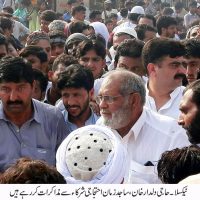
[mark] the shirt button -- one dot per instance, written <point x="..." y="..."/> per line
<point x="23" y="145"/>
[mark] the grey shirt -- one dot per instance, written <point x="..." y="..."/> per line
<point x="38" y="138"/>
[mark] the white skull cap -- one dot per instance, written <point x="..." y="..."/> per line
<point x="138" y="10"/>
<point x="92" y="154"/>
<point x="86" y="153"/>
<point x="127" y="30"/>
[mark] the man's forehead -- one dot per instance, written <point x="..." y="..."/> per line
<point x="73" y="89"/>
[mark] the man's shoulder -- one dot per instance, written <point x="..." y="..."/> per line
<point x="45" y="109"/>
<point x="161" y="123"/>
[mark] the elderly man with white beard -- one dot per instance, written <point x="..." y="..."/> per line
<point x="145" y="134"/>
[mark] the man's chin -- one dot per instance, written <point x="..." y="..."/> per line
<point x="15" y="109"/>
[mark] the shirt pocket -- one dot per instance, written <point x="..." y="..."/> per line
<point x="44" y="154"/>
<point x="142" y="174"/>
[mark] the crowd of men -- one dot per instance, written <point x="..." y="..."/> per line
<point x="99" y="96"/>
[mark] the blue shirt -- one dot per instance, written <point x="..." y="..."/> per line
<point x="91" y="120"/>
<point x="38" y="138"/>
<point x="67" y="16"/>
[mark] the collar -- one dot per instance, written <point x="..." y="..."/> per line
<point x="137" y="126"/>
<point x="66" y="116"/>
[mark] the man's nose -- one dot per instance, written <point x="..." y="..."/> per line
<point x="182" y="69"/>
<point x="180" y="121"/>
<point x="13" y="95"/>
<point x="103" y="104"/>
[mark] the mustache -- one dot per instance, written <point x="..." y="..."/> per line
<point x="180" y="75"/>
<point x="17" y="102"/>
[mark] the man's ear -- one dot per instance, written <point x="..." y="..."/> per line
<point x="91" y="94"/>
<point x="135" y="99"/>
<point x="150" y="68"/>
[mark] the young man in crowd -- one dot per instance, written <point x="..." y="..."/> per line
<point x="76" y="86"/>
<point x="91" y="54"/>
<point x="192" y="59"/>
<point x="36" y="56"/>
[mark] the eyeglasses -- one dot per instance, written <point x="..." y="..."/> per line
<point x="109" y="99"/>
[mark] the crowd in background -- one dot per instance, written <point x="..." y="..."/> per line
<point x="109" y="95"/>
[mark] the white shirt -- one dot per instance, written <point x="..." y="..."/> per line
<point x="150" y="136"/>
<point x="19" y="30"/>
<point x="171" y="108"/>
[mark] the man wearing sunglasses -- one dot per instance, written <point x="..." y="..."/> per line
<point x="145" y="134"/>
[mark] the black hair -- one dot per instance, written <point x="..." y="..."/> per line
<point x="157" y="48"/>
<point x="147" y="16"/>
<point x="164" y="22"/>
<point x="76" y="76"/>
<point x="93" y="14"/>
<point x="124" y="12"/>
<point x="192" y="47"/>
<point x="88" y="45"/>
<point x="77" y="27"/>
<point x="177" y="164"/>
<point x="77" y="9"/>
<point x="34" y="50"/>
<point x="15" y="69"/>
<point x="5" y="23"/>
<point x="167" y="11"/>
<point x="48" y="15"/>
<point x="113" y="15"/>
<point x="133" y="16"/>
<point x="41" y="78"/>
<point x="141" y="30"/>
<point x="130" y="48"/>
<point x="98" y="38"/>
<point x="65" y="60"/>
